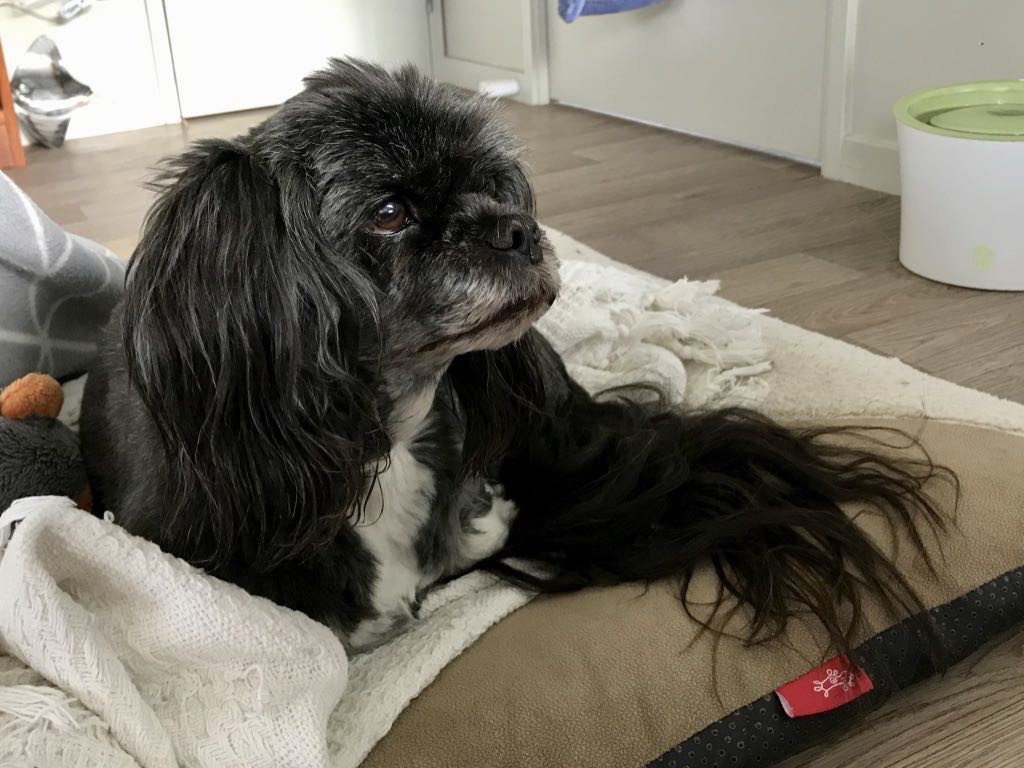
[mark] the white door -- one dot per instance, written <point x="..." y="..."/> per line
<point x="236" y="54"/>
<point x="747" y="72"/>
<point x="473" y="41"/>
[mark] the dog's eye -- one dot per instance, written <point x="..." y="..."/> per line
<point x="390" y="217"/>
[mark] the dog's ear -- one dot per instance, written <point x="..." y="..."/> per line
<point x="246" y="337"/>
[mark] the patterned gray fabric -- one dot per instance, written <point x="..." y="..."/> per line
<point x="56" y="291"/>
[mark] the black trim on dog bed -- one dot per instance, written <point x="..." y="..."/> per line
<point x="761" y="734"/>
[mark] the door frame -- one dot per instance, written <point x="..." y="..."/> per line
<point x="163" y="62"/>
<point x="846" y="156"/>
<point x="533" y="80"/>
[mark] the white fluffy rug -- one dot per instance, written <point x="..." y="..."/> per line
<point x="119" y="655"/>
<point x="615" y="328"/>
<point x="815" y="376"/>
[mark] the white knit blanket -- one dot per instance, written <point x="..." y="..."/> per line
<point x="118" y="654"/>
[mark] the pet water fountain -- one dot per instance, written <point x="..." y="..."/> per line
<point x="962" y="167"/>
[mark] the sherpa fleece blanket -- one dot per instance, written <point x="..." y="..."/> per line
<point x="56" y="291"/>
<point x="118" y="654"/>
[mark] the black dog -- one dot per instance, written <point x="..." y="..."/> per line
<point x="322" y="384"/>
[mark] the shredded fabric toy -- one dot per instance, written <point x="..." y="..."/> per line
<point x="618" y="329"/>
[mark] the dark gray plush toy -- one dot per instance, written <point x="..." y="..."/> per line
<point x="40" y="455"/>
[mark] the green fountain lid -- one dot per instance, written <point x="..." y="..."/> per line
<point x="992" y="111"/>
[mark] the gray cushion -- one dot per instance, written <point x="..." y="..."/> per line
<point x="56" y="291"/>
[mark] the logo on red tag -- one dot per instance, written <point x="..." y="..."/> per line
<point x="835" y="683"/>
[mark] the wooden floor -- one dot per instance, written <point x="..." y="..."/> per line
<point x="816" y="253"/>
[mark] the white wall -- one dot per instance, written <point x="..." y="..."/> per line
<point x="748" y="72"/>
<point x="884" y="49"/>
<point x="109" y="49"/>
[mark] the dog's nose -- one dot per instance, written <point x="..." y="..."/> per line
<point x="520" y="236"/>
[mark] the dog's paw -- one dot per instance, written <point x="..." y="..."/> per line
<point x="371" y="633"/>
<point x="487" y="533"/>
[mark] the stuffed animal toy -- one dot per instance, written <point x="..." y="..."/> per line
<point x="56" y="292"/>
<point x="38" y="454"/>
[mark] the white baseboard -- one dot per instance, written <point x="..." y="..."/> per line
<point x="696" y="134"/>
<point x="867" y="163"/>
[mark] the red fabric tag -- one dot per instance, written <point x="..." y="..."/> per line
<point x="835" y="683"/>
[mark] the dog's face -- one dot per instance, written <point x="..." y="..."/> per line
<point x="423" y="185"/>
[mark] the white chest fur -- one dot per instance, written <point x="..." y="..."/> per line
<point x="396" y="510"/>
<point x="398" y="506"/>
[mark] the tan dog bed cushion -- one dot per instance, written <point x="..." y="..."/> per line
<point x="621" y="677"/>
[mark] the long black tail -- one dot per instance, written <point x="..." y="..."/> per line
<point x="614" y="491"/>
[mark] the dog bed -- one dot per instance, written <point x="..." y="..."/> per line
<point x="616" y="682"/>
<point x="621" y="677"/>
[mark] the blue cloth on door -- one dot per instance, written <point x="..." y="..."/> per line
<point x="570" y="9"/>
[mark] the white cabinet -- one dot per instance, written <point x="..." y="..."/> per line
<point x="109" y="48"/>
<point x="238" y="54"/>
